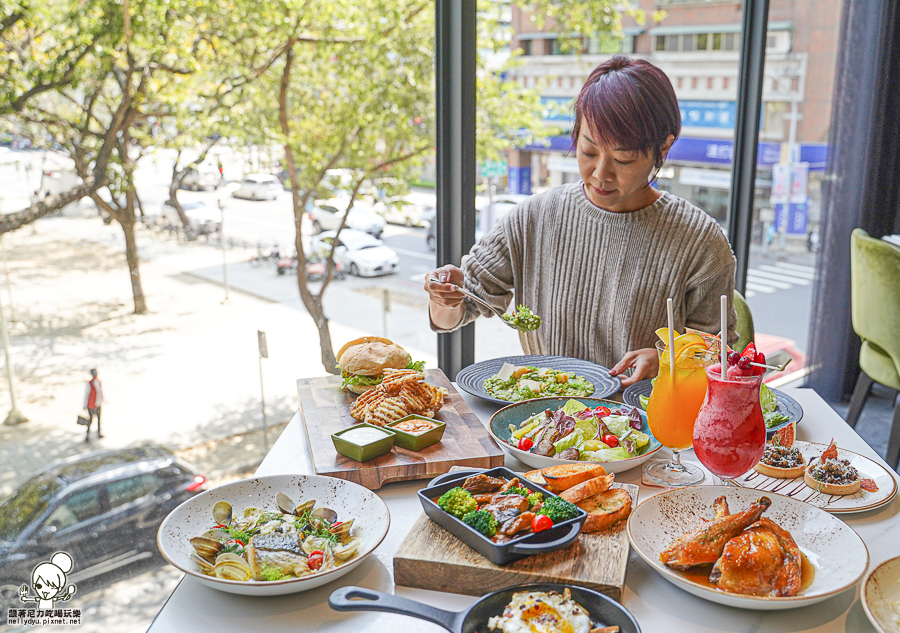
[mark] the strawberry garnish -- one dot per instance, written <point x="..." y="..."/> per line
<point x="750" y="352"/>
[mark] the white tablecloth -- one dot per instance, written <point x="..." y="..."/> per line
<point x="657" y="605"/>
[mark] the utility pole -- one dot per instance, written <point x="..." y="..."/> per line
<point x="15" y="416"/>
<point x="222" y="241"/>
<point x="12" y="309"/>
<point x="263" y="353"/>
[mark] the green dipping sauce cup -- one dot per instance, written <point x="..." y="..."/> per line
<point x="363" y="449"/>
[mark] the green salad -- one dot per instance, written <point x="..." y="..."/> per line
<point x="578" y="433"/>
<point x="523" y="319"/>
<point x="768" y="401"/>
<point x="514" y="384"/>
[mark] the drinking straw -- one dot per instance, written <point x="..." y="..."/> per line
<point x="723" y="304"/>
<point x="670" y="309"/>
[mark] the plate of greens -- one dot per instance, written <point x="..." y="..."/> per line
<point x="779" y="409"/>
<point x="519" y="378"/>
<point x="553" y="431"/>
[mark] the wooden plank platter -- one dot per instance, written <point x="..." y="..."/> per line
<point x="325" y="409"/>
<point x="432" y="558"/>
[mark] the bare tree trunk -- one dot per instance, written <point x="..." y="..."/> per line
<point x="177" y="177"/>
<point x="131" y="254"/>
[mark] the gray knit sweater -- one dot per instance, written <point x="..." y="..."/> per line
<point x="599" y="280"/>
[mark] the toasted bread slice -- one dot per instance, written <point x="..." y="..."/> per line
<point x="605" y="509"/>
<point x="588" y="488"/>
<point x="535" y="477"/>
<point x="565" y="476"/>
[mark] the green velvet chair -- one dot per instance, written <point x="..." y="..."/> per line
<point x="875" y="306"/>
<point x="744" y="326"/>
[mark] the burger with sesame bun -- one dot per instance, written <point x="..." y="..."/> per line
<point x="362" y="362"/>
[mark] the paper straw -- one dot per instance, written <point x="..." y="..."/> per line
<point x="670" y="309"/>
<point x="723" y="346"/>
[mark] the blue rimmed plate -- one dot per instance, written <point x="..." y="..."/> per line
<point x="471" y="379"/>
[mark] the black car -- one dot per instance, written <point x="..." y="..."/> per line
<point x="103" y="508"/>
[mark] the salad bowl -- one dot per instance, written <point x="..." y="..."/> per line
<point x="516" y="413"/>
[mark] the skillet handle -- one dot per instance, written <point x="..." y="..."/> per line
<point x="531" y="548"/>
<point x="361" y="599"/>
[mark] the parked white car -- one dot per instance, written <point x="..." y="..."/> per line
<point x="327" y="215"/>
<point x="202" y="179"/>
<point x="259" y="187"/>
<point x="357" y="252"/>
<point x="413" y="209"/>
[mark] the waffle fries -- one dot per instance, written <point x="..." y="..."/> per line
<point x="402" y="392"/>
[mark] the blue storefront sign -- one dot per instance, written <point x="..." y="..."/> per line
<point x="558" y="109"/>
<point x="796" y="220"/>
<point x="719" y="114"/>
<point x="519" y="180"/>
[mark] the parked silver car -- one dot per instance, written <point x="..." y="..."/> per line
<point x="327" y="215"/>
<point x="358" y="252"/>
<point x="259" y="187"/>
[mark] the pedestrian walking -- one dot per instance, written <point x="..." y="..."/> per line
<point x="93" y="400"/>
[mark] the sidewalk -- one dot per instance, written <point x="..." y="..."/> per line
<point x="183" y="375"/>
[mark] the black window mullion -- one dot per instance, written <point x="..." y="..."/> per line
<point x="746" y="134"/>
<point x="455" y="47"/>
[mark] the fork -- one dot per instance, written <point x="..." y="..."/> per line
<point x="478" y="299"/>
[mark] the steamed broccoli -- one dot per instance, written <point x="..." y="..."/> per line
<point x="483" y="521"/>
<point x="533" y="498"/>
<point x="558" y="509"/>
<point x="517" y="490"/>
<point x="458" y="502"/>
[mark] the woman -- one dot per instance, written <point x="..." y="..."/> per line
<point x="596" y="260"/>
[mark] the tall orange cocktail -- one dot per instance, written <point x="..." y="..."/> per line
<point x="677" y="395"/>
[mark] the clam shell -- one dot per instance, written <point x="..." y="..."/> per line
<point x="206" y="547"/>
<point x="232" y="567"/>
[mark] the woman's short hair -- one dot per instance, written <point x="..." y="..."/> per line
<point x="628" y="104"/>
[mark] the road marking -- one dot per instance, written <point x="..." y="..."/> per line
<point x="759" y="288"/>
<point x="403" y="251"/>
<point x="777" y="277"/>
<point x="797" y="267"/>
<point x="789" y="271"/>
<point x="748" y="294"/>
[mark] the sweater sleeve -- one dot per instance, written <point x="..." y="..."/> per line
<point x="488" y="271"/>
<point x="713" y="278"/>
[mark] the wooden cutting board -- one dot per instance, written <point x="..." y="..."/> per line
<point x="325" y="409"/>
<point x="432" y="558"/>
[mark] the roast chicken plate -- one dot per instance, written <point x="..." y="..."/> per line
<point x="751" y="555"/>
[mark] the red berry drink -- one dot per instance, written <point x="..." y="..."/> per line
<point x="730" y="433"/>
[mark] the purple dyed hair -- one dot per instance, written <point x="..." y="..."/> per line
<point x="628" y="104"/>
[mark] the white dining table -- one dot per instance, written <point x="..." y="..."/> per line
<point x="657" y="605"/>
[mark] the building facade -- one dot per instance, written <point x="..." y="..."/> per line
<point x="697" y="44"/>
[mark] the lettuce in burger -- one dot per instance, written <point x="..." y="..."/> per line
<point x="362" y="362"/>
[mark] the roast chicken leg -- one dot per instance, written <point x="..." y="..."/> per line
<point x="763" y="560"/>
<point x="705" y="544"/>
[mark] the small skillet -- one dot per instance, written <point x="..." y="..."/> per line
<point x="604" y="611"/>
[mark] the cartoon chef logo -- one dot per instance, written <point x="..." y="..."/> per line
<point x="48" y="581"/>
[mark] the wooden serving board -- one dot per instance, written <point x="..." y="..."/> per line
<point x="432" y="558"/>
<point x="325" y="409"/>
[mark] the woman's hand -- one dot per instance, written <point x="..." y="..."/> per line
<point x="644" y="361"/>
<point x="445" y="302"/>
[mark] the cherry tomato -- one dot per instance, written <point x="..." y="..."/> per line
<point x="525" y="444"/>
<point x="541" y="522"/>
<point x="315" y="558"/>
<point x="602" y="411"/>
<point x="610" y="440"/>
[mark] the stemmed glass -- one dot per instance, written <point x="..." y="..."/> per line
<point x="672" y="410"/>
<point x="730" y="433"/>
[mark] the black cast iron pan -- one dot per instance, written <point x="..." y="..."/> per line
<point x="604" y="611"/>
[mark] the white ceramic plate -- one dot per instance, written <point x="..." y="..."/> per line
<point x="838" y="554"/>
<point x="349" y="500"/>
<point x="880" y="596"/>
<point x="796" y="488"/>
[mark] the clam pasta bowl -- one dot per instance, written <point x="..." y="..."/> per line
<point x="516" y="413"/>
<point x="836" y="554"/>
<point x="192" y="518"/>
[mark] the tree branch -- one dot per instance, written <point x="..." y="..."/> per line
<point x="13" y="221"/>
